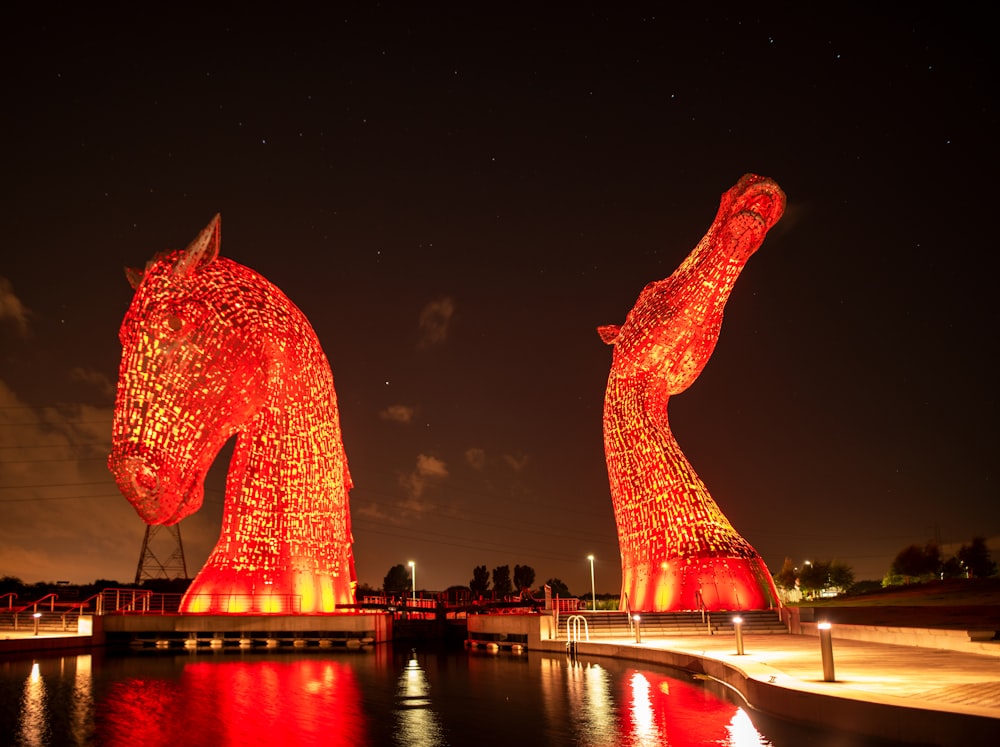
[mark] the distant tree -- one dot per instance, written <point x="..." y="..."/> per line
<point x="501" y="581"/>
<point x="814" y="577"/>
<point x="786" y="577"/>
<point x="841" y="576"/>
<point x="11" y="584"/>
<point x="953" y="568"/>
<point x="915" y="561"/>
<point x="976" y="557"/>
<point x="162" y="585"/>
<point x="110" y="583"/>
<point x="480" y="583"/>
<point x="559" y="589"/>
<point x="397" y="580"/>
<point x="365" y="590"/>
<point x="524" y="577"/>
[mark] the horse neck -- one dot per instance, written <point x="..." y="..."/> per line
<point x="706" y="278"/>
<point x="646" y="465"/>
<point x="290" y="456"/>
<point x="637" y="435"/>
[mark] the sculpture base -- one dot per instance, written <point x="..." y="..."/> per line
<point x="710" y="583"/>
<point x="222" y="591"/>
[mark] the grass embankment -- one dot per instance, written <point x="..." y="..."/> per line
<point x="957" y="592"/>
<point x="955" y="603"/>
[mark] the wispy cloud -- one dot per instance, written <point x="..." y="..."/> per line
<point x="63" y="517"/>
<point x="475" y="458"/>
<point x="398" y="413"/>
<point x="516" y="462"/>
<point x="429" y="470"/>
<point x="435" y="321"/>
<point x="95" y="378"/>
<point x="11" y="307"/>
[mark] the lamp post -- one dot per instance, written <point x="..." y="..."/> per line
<point x="413" y="580"/>
<point x="593" y="590"/>
<point x="36" y="615"/>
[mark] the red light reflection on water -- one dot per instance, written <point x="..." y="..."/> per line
<point x="237" y="703"/>
<point x="641" y="708"/>
<point x="657" y="709"/>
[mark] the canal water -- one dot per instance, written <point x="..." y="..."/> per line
<point x="379" y="696"/>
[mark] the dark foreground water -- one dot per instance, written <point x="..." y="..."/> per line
<point x="384" y="696"/>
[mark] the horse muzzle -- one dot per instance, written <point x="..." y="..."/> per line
<point x="146" y="485"/>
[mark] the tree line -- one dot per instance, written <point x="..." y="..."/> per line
<point x="913" y="563"/>
<point x="499" y="584"/>
<point x="916" y="562"/>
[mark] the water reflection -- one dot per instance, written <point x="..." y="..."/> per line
<point x="33" y="721"/>
<point x="246" y="701"/>
<point x="376" y="697"/>
<point x="416" y="722"/>
<point x="82" y="710"/>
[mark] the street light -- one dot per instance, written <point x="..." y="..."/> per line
<point x="593" y="591"/>
<point x="413" y="579"/>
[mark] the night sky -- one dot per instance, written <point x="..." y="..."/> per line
<point x="457" y="197"/>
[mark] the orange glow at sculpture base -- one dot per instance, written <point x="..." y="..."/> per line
<point x="709" y="583"/>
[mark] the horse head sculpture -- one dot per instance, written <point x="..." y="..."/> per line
<point x="210" y="349"/>
<point x="678" y="550"/>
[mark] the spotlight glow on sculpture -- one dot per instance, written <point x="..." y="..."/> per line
<point x="679" y="552"/>
<point x="210" y="349"/>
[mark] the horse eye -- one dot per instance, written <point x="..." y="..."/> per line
<point x="175" y="322"/>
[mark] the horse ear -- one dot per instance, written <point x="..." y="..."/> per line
<point x="609" y="333"/>
<point x="203" y="250"/>
<point x="134" y="277"/>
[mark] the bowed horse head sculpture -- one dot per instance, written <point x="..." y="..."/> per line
<point x="211" y="349"/>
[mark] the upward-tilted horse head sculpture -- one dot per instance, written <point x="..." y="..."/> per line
<point x="211" y="349"/>
<point x="678" y="550"/>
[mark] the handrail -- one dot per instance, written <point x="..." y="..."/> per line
<point x="52" y="596"/>
<point x="573" y="628"/>
<point x="124" y="600"/>
<point x="10" y="601"/>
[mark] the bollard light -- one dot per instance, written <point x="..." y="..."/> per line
<point x="826" y="647"/>
<point x="738" y="626"/>
<point x="638" y="633"/>
<point x="37" y="615"/>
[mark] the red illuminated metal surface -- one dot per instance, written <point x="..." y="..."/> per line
<point x="210" y="349"/>
<point x="679" y="552"/>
